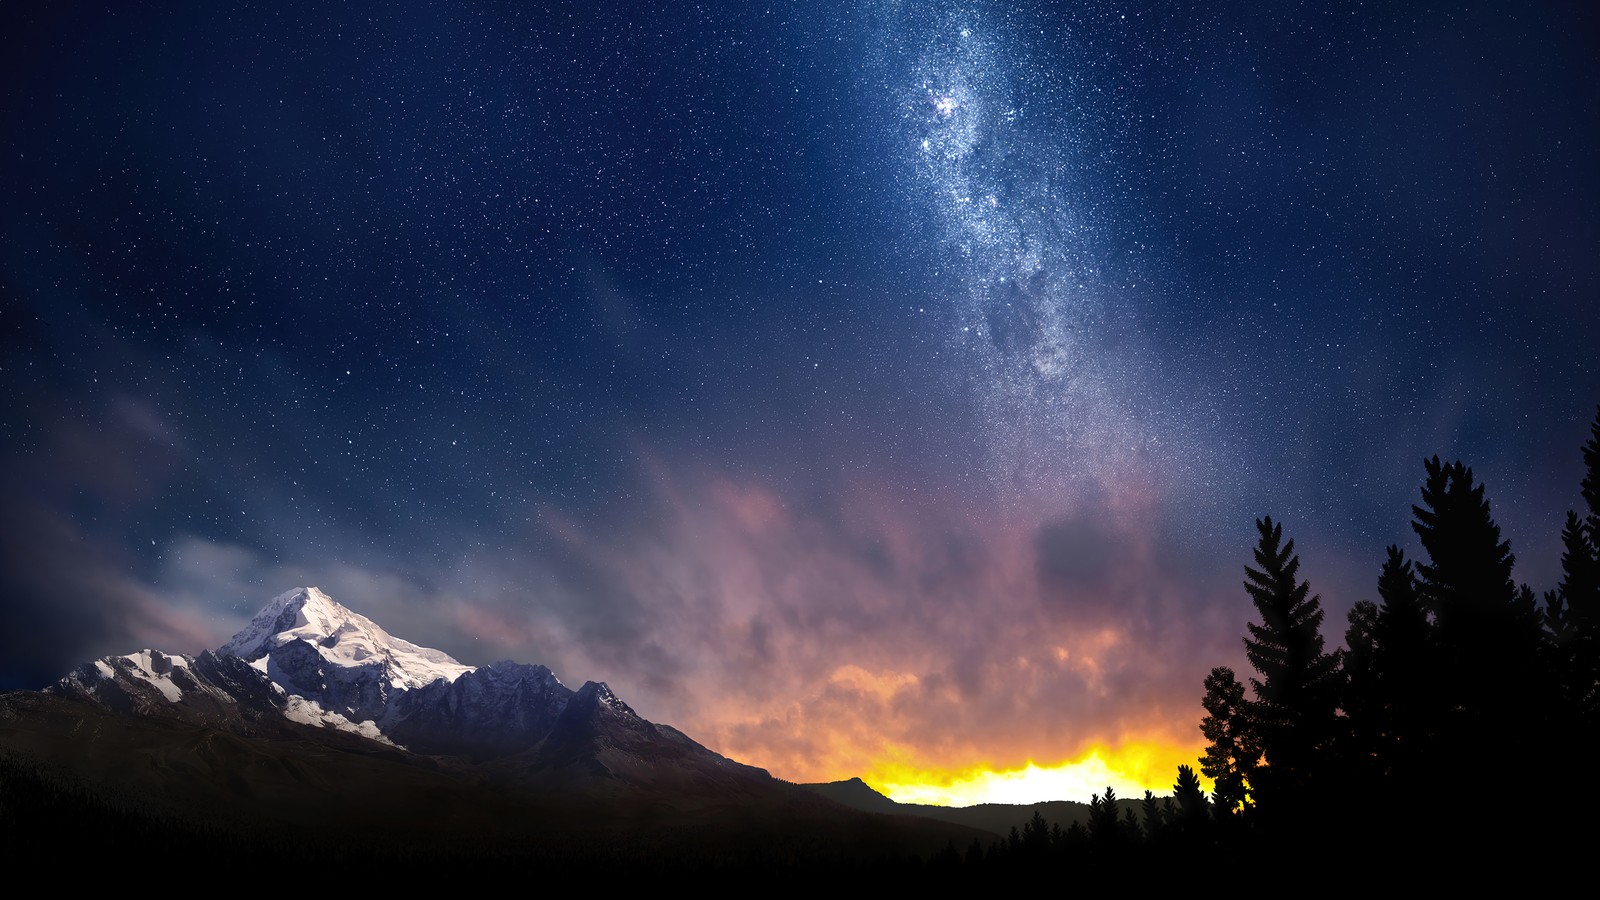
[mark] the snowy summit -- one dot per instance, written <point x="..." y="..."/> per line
<point x="341" y="638"/>
<point x="305" y="660"/>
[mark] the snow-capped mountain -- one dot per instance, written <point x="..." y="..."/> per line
<point x="304" y="656"/>
<point x="341" y="639"/>
<point x="315" y="729"/>
<point x="306" y="660"/>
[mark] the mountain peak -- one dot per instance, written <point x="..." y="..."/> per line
<point x="305" y="660"/>
<point x="341" y="637"/>
<point x="595" y="694"/>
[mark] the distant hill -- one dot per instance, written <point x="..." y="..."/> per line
<point x="994" y="818"/>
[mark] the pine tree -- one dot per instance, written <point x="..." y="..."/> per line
<point x="1491" y="684"/>
<point x="1293" y="716"/>
<point x="1193" y="815"/>
<point x="1572" y="610"/>
<point x="1402" y="623"/>
<point x="1152" y="816"/>
<point x="1131" y="831"/>
<point x="1487" y="637"/>
<point x="1362" y="696"/>
<point x="1036" y="835"/>
<point x="1232" y="754"/>
<point x="1468" y="575"/>
<point x="1104" y="826"/>
<point x="1570" y="607"/>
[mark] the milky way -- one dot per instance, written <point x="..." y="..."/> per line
<point x="1022" y="258"/>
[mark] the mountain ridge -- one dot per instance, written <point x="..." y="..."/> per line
<point x="997" y="819"/>
<point x="314" y="662"/>
<point x="313" y="729"/>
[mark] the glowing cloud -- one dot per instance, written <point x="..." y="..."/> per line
<point x="1130" y="770"/>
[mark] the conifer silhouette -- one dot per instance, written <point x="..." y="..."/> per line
<point x="1104" y="824"/>
<point x="1293" y="715"/>
<point x="1193" y="814"/>
<point x="1153" y="821"/>
<point x="1389" y="697"/>
<point x="1231" y="754"/>
<point x="1572" y="610"/>
<point x="1487" y="635"/>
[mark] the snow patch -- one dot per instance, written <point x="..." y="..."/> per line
<point x="155" y="668"/>
<point x="309" y="712"/>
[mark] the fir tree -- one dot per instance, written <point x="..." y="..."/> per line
<point x="1152" y="816"/>
<point x="1468" y="575"/>
<point x="1487" y="636"/>
<point x="1231" y="755"/>
<point x="1193" y="813"/>
<point x="1572" y="610"/>
<point x="974" y="857"/>
<point x="1362" y="696"/>
<point x="1104" y="826"/>
<point x="1402" y="623"/>
<point x="1076" y="835"/>
<point x="1388" y="672"/>
<point x="1293" y="716"/>
<point x="1036" y="835"/>
<point x="1131" y="831"/>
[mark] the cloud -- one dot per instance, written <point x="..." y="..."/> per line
<point x="815" y="635"/>
<point x="820" y="634"/>
<point x="71" y="598"/>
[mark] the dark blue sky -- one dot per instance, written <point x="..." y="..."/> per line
<point x="795" y="367"/>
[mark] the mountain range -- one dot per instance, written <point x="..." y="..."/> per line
<point x="306" y="660"/>
<point x="316" y="727"/>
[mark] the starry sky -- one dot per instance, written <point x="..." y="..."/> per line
<point x="865" y="388"/>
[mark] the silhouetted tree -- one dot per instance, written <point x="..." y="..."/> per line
<point x="1488" y="637"/>
<point x="1193" y="813"/>
<point x="1580" y="578"/>
<point x="1152" y="816"/>
<point x="1293" y="716"/>
<point x="1104" y="824"/>
<point x="1131" y="832"/>
<point x="1232" y="754"/>
<point x="1388" y="669"/>
<point x="1362" y="696"/>
<point x="974" y="857"/>
<point x="1572" y="610"/>
<point x="1036" y="836"/>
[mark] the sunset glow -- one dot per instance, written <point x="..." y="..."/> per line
<point x="1130" y="770"/>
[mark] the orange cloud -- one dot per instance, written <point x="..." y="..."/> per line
<point x="912" y="642"/>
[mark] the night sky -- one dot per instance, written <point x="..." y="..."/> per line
<point x="881" y="389"/>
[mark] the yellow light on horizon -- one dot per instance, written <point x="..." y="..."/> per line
<point x="1129" y="770"/>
